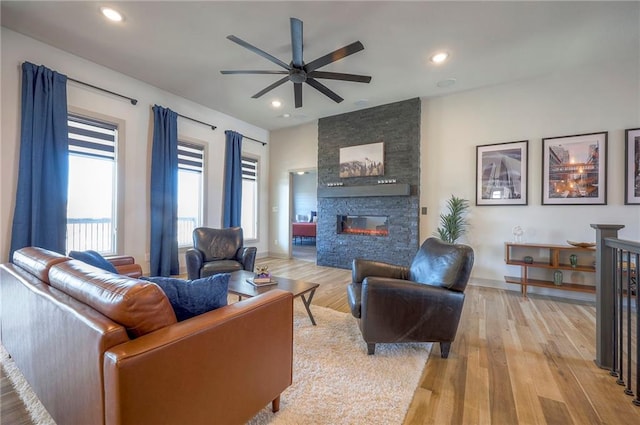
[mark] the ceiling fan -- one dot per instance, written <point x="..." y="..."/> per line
<point x="299" y="72"/>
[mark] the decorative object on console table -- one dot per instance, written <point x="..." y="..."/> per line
<point x="574" y="170"/>
<point x="501" y="173"/>
<point x="632" y="167"/>
<point x="557" y="278"/>
<point x="544" y="260"/>
<point x="573" y="259"/>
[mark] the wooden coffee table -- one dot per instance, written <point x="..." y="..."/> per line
<point x="239" y="286"/>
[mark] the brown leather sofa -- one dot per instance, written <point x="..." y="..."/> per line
<point x="101" y="348"/>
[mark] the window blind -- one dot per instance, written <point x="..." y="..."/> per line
<point x="190" y="157"/>
<point x="249" y="169"/>
<point x="92" y="138"/>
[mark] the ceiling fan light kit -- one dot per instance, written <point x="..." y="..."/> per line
<point x="298" y="72"/>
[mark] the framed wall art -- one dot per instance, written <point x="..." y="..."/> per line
<point x="632" y="167"/>
<point x="362" y="160"/>
<point x="502" y="173"/>
<point x="574" y="170"/>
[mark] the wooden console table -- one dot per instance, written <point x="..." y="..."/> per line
<point x="551" y="257"/>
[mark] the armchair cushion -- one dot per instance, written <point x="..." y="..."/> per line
<point x="94" y="259"/>
<point x="191" y="298"/>
<point x="442" y="264"/>
<point x="217" y="244"/>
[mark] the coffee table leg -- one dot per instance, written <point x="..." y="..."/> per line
<point x="307" y="303"/>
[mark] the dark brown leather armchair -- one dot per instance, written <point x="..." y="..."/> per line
<point x="420" y="303"/>
<point x="218" y="251"/>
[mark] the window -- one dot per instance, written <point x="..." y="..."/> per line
<point x="250" y="198"/>
<point x="190" y="190"/>
<point x="92" y="206"/>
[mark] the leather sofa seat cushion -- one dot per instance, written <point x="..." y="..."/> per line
<point x="223" y="266"/>
<point x="141" y="307"/>
<point x="37" y="261"/>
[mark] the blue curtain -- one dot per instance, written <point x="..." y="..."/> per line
<point x="164" y="193"/>
<point x="233" y="180"/>
<point x="40" y="214"/>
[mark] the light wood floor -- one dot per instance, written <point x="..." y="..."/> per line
<point x="514" y="361"/>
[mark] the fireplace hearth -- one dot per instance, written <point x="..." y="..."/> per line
<point x="368" y="225"/>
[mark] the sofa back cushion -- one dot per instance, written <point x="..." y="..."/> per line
<point x="37" y="261"/>
<point x="141" y="307"/>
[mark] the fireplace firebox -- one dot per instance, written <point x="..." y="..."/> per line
<point x="369" y="225"/>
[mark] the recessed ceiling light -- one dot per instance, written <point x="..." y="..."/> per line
<point x="111" y="14"/>
<point x="286" y="115"/>
<point x="276" y="103"/>
<point x="446" y="83"/>
<point x="439" y="57"/>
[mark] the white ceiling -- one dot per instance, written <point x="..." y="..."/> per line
<point x="181" y="46"/>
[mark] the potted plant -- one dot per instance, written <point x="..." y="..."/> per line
<point x="453" y="224"/>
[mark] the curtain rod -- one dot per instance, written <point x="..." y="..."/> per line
<point x="130" y="99"/>
<point x="213" y="127"/>
<point x="255" y="140"/>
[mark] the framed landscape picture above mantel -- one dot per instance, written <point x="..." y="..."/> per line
<point x="362" y="160"/>
<point x="501" y="173"/>
<point x="574" y="170"/>
<point x="632" y="167"/>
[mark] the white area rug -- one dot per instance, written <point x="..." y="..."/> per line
<point x="334" y="380"/>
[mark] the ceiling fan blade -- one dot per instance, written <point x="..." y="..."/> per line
<point x="271" y="87"/>
<point x="324" y="90"/>
<point x="297" y="94"/>
<point x="254" y="72"/>
<point x="340" y="76"/>
<point x="260" y="52"/>
<point x="296" y="42"/>
<point x="334" y="56"/>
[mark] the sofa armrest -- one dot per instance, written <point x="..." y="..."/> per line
<point x="247" y="256"/>
<point x="126" y="265"/>
<point x="226" y="364"/>
<point x="360" y="269"/>
<point x="194" y="260"/>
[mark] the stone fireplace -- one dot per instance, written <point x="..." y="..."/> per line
<point x="360" y="217"/>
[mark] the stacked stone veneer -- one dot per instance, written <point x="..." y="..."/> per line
<point x="398" y="126"/>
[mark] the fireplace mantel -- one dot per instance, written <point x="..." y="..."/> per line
<point x="396" y="189"/>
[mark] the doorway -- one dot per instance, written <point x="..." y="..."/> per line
<point x="303" y="214"/>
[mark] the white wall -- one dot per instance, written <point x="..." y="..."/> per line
<point x="292" y="149"/>
<point x="136" y="143"/>
<point x="585" y="100"/>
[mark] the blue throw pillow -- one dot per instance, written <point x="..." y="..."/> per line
<point x="93" y="258"/>
<point x="190" y="298"/>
